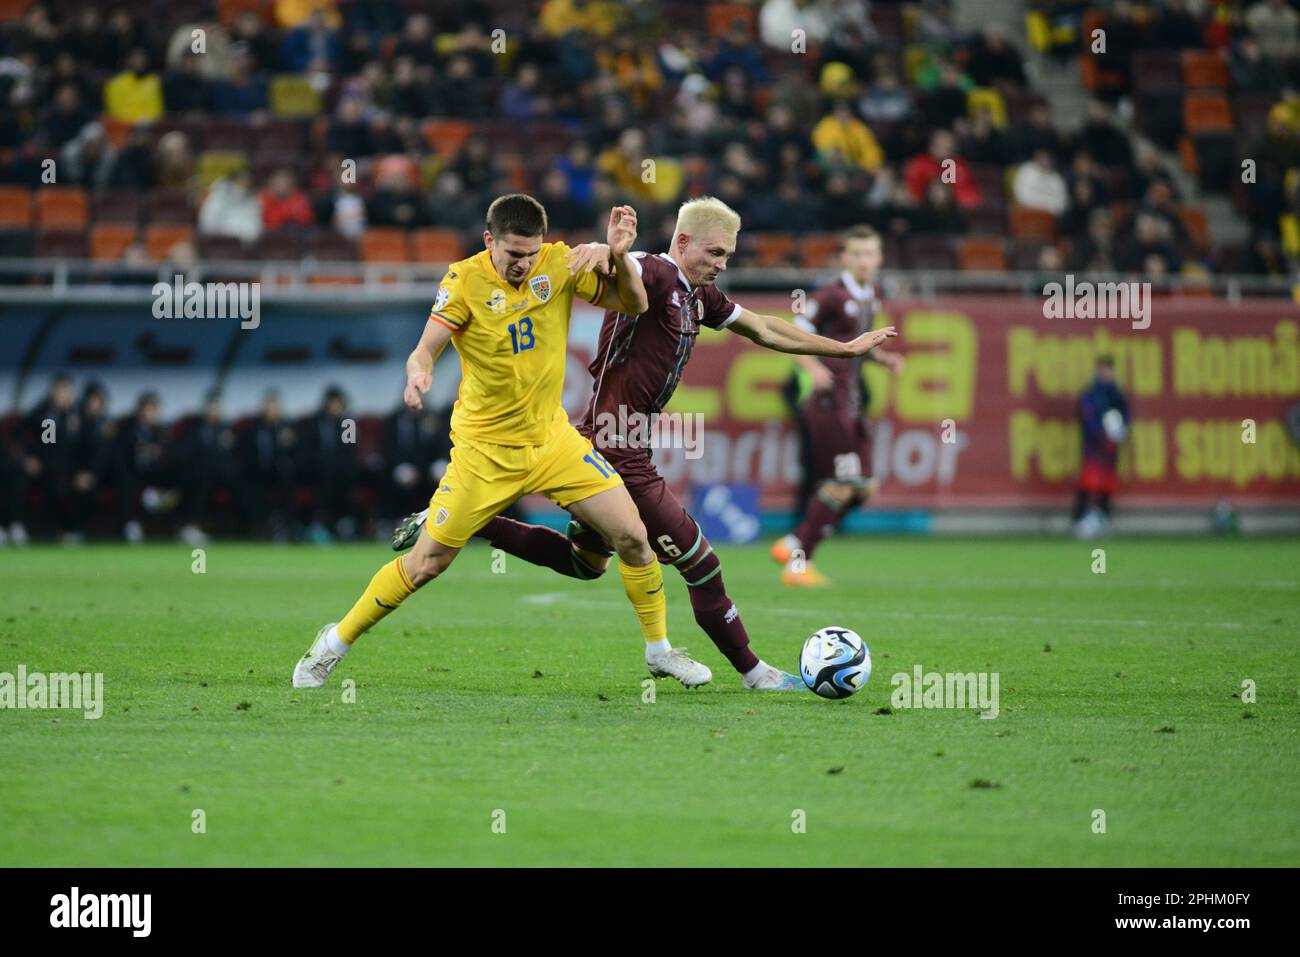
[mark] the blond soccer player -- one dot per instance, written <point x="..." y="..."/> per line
<point x="506" y="311"/>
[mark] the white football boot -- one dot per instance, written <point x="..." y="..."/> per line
<point x="676" y="663"/>
<point x="315" y="666"/>
<point x="773" y="679"/>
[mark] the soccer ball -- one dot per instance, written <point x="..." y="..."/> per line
<point x="1112" y="423"/>
<point x="835" y="662"/>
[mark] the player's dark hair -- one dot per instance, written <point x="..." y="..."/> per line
<point x="1107" y="360"/>
<point x="516" y="213"/>
<point x="857" y="232"/>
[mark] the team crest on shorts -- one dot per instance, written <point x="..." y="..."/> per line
<point x="440" y="517"/>
<point x="541" y="286"/>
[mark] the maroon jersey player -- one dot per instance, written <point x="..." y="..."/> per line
<point x="638" y="365"/>
<point x="831" y="415"/>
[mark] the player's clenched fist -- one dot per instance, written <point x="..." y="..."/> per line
<point x="415" y="387"/>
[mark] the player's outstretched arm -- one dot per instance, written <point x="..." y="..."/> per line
<point x="772" y="332"/>
<point x="419" y="364"/>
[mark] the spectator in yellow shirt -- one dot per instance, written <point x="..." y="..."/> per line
<point x="841" y="139"/>
<point x="135" y="94"/>
<point x="596" y="17"/>
<point x="294" y="13"/>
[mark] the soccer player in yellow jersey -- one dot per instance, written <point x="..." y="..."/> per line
<point x="506" y="311"/>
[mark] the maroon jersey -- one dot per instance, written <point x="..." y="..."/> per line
<point x="843" y="310"/>
<point x="640" y="358"/>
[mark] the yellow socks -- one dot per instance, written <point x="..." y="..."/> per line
<point x="644" y="585"/>
<point x="386" y="591"/>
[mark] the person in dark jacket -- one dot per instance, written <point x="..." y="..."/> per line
<point x="1104" y="419"/>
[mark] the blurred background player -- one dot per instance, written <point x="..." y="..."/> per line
<point x="1103" y="424"/>
<point x="508" y="311"/>
<point x="832" y="413"/>
<point x="638" y="365"/>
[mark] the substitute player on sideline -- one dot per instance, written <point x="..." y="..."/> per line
<point x="833" y="414"/>
<point x="507" y="312"/>
<point x="638" y="364"/>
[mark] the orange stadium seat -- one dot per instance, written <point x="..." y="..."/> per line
<point x="228" y="11"/>
<point x="436" y="245"/>
<point x="722" y="14"/>
<point x="62" y="207"/>
<point x="384" y="245"/>
<point x="447" y="136"/>
<point x="1032" y="224"/>
<point x="15" y="207"/>
<point x="774" y="249"/>
<point x="11" y="10"/>
<point x="1198" y="226"/>
<point x="108" y="241"/>
<point x="160" y="238"/>
<point x="1204" y="70"/>
<point x="1207" y="113"/>
<point x="986" y="253"/>
<point x="325" y="279"/>
<point x="817" y="251"/>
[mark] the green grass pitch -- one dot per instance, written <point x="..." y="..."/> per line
<point x="522" y="693"/>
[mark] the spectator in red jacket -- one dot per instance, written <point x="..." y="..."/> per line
<point x="943" y="163"/>
<point x="283" y="204"/>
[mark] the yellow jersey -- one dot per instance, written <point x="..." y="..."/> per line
<point x="512" y="343"/>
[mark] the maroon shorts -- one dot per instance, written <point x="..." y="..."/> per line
<point x="839" y="444"/>
<point x="673" y="534"/>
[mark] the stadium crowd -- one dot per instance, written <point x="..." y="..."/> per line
<point x="68" y="470"/>
<point x="379" y="129"/>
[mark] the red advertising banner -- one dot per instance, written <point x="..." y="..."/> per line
<point x="1208" y="383"/>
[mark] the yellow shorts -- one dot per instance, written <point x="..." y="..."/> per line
<point x="484" y="478"/>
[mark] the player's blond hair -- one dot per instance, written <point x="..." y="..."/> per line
<point x="698" y="216"/>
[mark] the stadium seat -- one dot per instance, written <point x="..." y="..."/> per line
<point x="223" y="247"/>
<point x="217" y="164"/>
<point x="1194" y="218"/>
<point x="108" y="241"/>
<point x="293" y="96"/>
<point x="383" y="245"/>
<point x="436" y="245"/>
<point x="774" y="249"/>
<point x="1032" y="224"/>
<point x="283" y="245"/>
<point x="61" y="245"/>
<point x="279" y="136"/>
<point x="1204" y="70"/>
<point x="992" y="184"/>
<point x="818" y="250"/>
<point x="981" y="253"/>
<point x="115" y="206"/>
<point x="62" y="207"/>
<point x="229" y="135"/>
<point x="1207" y="113"/>
<point x="1158" y="70"/>
<point x="987" y="220"/>
<point x="930" y="252"/>
<point x="11" y="10"/>
<point x="446" y="137"/>
<point x="721" y="16"/>
<point x="330" y="279"/>
<point x="15" y="207"/>
<point x="228" y="11"/>
<point x="161" y="237"/>
<point x="329" y="246"/>
<point x="169" y="206"/>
